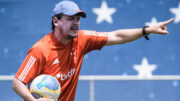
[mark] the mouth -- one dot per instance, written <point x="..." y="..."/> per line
<point x="75" y="28"/>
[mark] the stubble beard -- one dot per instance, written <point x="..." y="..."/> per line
<point x="73" y="29"/>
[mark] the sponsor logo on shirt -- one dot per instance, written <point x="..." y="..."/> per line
<point x="66" y="76"/>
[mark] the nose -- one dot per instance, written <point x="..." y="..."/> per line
<point x="76" y="21"/>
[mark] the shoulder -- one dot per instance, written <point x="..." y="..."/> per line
<point x="85" y="33"/>
<point x="93" y="33"/>
<point x="40" y="47"/>
<point x="89" y="34"/>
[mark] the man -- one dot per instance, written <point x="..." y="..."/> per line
<point x="60" y="53"/>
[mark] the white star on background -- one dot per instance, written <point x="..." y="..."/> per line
<point x="145" y="69"/>
<point x="152" y="23"/>
<point x="176" y="11"/>
<point x="104" y="13"/>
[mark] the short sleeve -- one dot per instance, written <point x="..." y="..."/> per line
<point x="31" y="66"/>
<point x="93" y="40"/>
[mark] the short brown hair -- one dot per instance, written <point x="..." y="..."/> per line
<point x="59" y="17"/>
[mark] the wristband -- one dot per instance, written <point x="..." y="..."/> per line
<point x="144" y="32"/>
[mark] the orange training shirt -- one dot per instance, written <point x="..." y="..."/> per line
<point x="49" y="56"/>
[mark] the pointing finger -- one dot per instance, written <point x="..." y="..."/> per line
<point x="168" y="21"/>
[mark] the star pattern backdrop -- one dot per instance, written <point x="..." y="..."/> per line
<point x="23" y="22"/>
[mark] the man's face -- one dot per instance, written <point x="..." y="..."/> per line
<point x="69" y="25"/>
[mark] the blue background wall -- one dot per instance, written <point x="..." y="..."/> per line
<point x="23" y="22"/>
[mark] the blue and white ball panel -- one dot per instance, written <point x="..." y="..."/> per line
<point x="45" y="86"/>
<point x="49" y="83"/>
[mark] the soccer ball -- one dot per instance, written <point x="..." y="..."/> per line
<point x="45" y="86"/>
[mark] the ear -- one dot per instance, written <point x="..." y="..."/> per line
<point x="56" y="21"/>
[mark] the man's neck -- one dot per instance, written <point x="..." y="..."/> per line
<point x="59" y="37"/>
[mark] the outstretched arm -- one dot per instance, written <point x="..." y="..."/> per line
<point x="128" y="35"/>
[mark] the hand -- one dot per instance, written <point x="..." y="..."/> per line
<point x="44" y="99"/>
<point x="159" y="28"/>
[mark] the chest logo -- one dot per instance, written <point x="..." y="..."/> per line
<point x="56" y="61"/>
